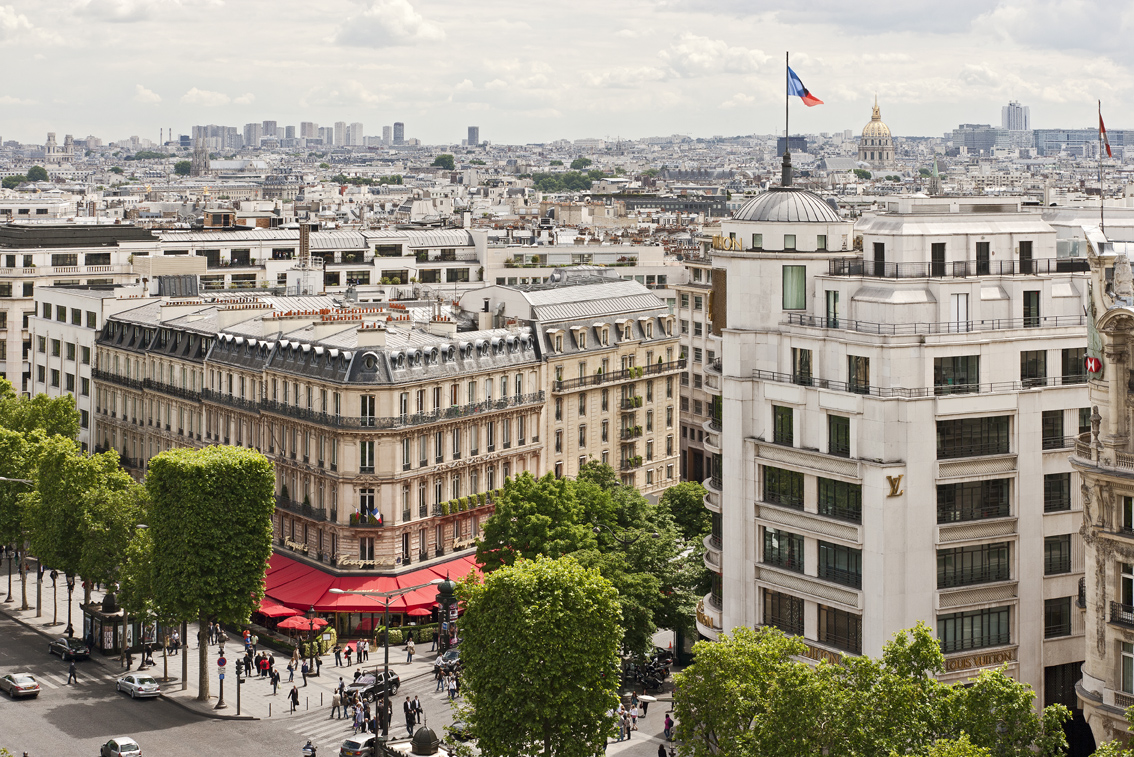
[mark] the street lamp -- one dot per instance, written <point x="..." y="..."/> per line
<point x="310" y="638"/>
<point x="70" y="588"/>
<point x="624" y="542"/>
<point x="387" y="596"/>
<point x="55" y="597"/>
<point x="220" y="695"/>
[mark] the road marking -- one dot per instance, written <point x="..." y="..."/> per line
<point x="45" y="681"/>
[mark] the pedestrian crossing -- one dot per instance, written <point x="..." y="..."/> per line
<point x="85" y="676"/>
<point x="329" y="733"/>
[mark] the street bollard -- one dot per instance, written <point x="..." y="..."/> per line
<point x="307" y="703"/>
<point x="320" y="699"/>
<point x="269" y="709"/>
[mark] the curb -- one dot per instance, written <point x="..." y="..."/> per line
<point x="102" y="664"/>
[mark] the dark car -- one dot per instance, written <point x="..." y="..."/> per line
<point x="69" y="648"/>
<point x="370" y="685"/>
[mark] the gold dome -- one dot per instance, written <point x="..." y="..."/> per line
<point x="876" y="129"/>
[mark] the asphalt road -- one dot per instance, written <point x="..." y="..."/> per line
<point x="78" y="719"/>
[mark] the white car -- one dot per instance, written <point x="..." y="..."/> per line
<point x="139" y="685"/>
<point x="121" y="746"/>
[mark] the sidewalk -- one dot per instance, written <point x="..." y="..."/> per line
<point x="256" y="699"/>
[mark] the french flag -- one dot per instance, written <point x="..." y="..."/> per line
<point x="795" y="87"/>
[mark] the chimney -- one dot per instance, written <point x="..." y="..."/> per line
<point x="373" y="335"/>
<point x="443" y="326"/>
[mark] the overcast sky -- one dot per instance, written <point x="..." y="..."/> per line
<point x="538" y="71"/>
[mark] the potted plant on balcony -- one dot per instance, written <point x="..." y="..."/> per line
<point x="283" y="493"/>
<point x="354" y="519"/>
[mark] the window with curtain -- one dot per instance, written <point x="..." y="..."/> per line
<point x="795" y="292"/>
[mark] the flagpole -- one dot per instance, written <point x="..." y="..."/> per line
<point x="1102" y="225"/>
<point x="787" y="101"/>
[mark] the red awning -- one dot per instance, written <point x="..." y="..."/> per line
<point x="300" y="586"/>
<point x="274" y="610"/>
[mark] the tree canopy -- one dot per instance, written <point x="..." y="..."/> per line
<point x="37" y="173"/>
<point x="862" y="173"/>
<point x="569" y="181"/>
<point x="11" y="182"/>
<point x="52" y="415"/>
<point x="539" y="655"/>
<point x="183" y="167"/>
<point x="749" y="695"/>
<point x="578" y="164"/>
<point x="211" y="524"/>
<point x="605" y="526"/>
<point x="444" y="160"/>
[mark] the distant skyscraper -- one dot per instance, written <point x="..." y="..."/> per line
<point x="387" y="135"/>
<point x="308" y="130"/>
<point x="327" y="134"/>
<point x="269" y="129"/>
<point x="252" y="134"/>
<point x="356" y="137"/>
<point x="474" y="135"/>
<point x="1015" y="117"/>
<point x="340" y="133"/>
<point x="289" y="132"/>
<point x="399" y="132"/>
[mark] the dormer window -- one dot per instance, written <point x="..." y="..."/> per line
<point x="649" y="330"/>
<point x="558" y="342"/>
<point x="582" y="340"/>
<point x="626" y="333"/>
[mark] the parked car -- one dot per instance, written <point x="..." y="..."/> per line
<point x="449" y="661"/>
<point x="139" y="685"/>
<point x="20" y="685"/>
<point x="121" y="746"/>
<point x="69" y="648"/>
<point x="370" y="686"/>
<point x="358" y="746"/>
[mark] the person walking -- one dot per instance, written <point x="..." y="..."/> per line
<point x="661" y="751"/>
<point x="668" y="727"/>
<point x="411" y="718"/>
<point x="294" y="697"/>
<point x="290" y="672"/>
<point x="275" y="674"/>
<point x="71" y="676"/>
<point x="304" y="671"/>
<point x="417" y="710"/>
<point x="436" y="634"/>
<point x="452" y="687"/>
<point x="410" y="650"/>
<point x="358" y="722"/>
<point x="365" y="649"/>
<point x="336" y="705"/>
<point x="338" y="656"/>
<point x="439" y="674"/>
<point x="346" y="652"/>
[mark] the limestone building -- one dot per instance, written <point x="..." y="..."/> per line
<point x="890" y="440"/>
<point x="876" y="146"/>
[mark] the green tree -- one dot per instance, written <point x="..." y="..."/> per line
<point x="118" y="170"/>
<point x="747" y="695"/>
<point x="444" y="161"/>
<point x="37" y="173"/>
<point x="862" y="173"/>
<point x="685" y="503"/>
<point x="111" y="513"/>
<point x="958" y="747"/>
<point x="476" y="162"/>
<point x="578" y="164"/>
<point x="211" y="524"/>
<point x="539" y="655"/>
<point x="324" y="165"/>
<point x="533" y="517"/>
<point x="56" y="512"/>
<point x="650" y="173"/>
<point x="182" y="167"/>
<point x="11" y="182"/>
<point x="556" y="163"/>
<point x="52" y="415"/>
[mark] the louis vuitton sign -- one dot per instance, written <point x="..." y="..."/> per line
<point x="988" y="660"/>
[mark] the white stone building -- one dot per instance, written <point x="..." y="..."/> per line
<point x="890" y="444"/>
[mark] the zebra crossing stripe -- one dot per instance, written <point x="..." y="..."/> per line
<point x="45" y="681"/>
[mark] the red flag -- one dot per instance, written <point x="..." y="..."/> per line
<point x="1102" y="134"/>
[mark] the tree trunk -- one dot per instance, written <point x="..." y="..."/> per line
<point x="24" y="581"/>
<point x="547" y="739"/>
<point x="125" y="636"/>
<point x="165" y="650"/>
<point x="184" y="656"/>
<point x="203" y="656"/>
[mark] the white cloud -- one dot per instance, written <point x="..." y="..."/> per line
<point x="693" y="55"/>
<point x="205" y="97"/>
<point x="12" y="23"/>
<point x="625" y="77"/>
<point x="9" y="100"/>
<point x="129" y="11"/>
<point x="386" y="23"/>
<point x="143" y="95"/>
<point x="738" y="100"/>
<point x="245" y="99"/>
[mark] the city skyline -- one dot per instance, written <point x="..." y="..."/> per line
<point x="424" y="63"/>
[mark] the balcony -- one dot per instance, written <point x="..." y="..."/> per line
<point x="939" y="327"/>
<point x="632" y="463"/>
<point x="984" y="641"/>
<point x="300" y="508"/>
<point x="631" y="433"/>
<point x="113" y="378"/>
<point x="712" y="501"/>
<point x="239" y="403"/>
<point x="400" y="421"/>
<point x="631" y="403"/>
<point x="626" y="374"/>
<point x="970" y="576"/>
<point x="955" y="270"/>
<point x="358" y="520"/>
<point x="1122" y="615"/>
<point x="709" y="622"/>
<point x="841" y="576"/>
<point x="171" y="390"/>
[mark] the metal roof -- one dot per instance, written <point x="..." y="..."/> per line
<point x="788" y="205"/>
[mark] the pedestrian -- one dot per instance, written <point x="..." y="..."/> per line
<point x="645" y="706"/>
<point x="436" y="634"/>
<point x="275" y="682"/>
<point x="290" y="672"/>
<point x="357" y="673"/>
<point x="294" y="697"/>
<point x="263" y="665"/>
<point x="627" y="724"/>
<point x="439" y="674"/>
<point x="346" y="652"/>
<point x="357" y="726"/>
<point x="71" y="673"/>
<point x="409" y="650"/>
<point x="175" y="642"/>
<point x="336" y="702"/>
<point x="452" y="687"/>
<point x="661" y="751"/>
<point x="338" y="655"/>
<point x="668" y="727"/>
<point x="633" y="717"/>
<point x="271" y="661"/>
<point x="304" y="670"/>
<point x="417" y="709"/>
<point x="364" y="645"/>
<point x="411" y="717"/>
<point x="342" y="687"/>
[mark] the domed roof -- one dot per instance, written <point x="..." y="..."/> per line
<point x="788" y="205"/>
<point x="876" y="129"/>
<point x="424" y="742"/>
